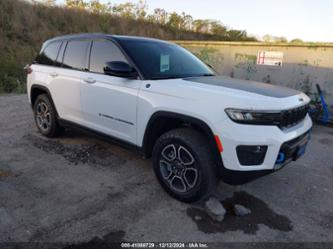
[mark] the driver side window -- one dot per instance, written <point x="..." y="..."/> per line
<point x="103" y="51"/>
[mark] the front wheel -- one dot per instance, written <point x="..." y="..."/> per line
<point x="184" y="164"/>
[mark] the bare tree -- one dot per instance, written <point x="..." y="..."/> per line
<point x="160" y="16"/>
<point x="141" y="10"/>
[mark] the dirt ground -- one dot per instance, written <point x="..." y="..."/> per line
<point x="77" y="188"/>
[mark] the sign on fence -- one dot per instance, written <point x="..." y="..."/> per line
<point x="270" y="58"/>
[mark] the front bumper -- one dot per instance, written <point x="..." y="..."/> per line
<point x="233" y="135"/>
<point x="292" y="150"/>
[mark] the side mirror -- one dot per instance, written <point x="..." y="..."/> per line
<point x="119" y="69"/>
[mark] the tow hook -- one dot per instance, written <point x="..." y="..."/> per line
<point x="281" y="158"/>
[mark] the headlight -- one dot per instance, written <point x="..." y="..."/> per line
<point x="254" y="117"/>
<point x="239" y="115"/>
<point x="283" y="118"/>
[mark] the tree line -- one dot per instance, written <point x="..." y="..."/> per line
<point x="178" y="22"/>
<point x="26" y="24"/>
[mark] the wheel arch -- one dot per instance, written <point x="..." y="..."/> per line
<point x="163" y="121"/>
<point x="37" y="90"/>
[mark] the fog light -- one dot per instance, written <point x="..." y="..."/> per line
<point x="251" y="154"/>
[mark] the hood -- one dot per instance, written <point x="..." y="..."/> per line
<point x="246" y="85"/>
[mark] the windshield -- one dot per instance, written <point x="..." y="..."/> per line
<point x="162" y="60"/>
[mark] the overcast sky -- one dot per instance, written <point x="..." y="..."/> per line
<point x="309" y="20"/>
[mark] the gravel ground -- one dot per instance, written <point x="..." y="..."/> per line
<point x="77" y="189"/>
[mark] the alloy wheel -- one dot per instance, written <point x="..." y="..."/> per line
<point x="178" y="168"/>
<point x="43" y="116"/>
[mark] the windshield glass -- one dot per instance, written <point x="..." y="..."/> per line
<point x="162" y="60"/>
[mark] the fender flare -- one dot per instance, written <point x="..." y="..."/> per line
<point x="44" y="89"/>
<point x="202" y="125"/>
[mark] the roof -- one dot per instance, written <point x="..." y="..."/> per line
<point x="102" y="35"/>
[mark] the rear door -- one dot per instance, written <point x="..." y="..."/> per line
<point x="109" y="103"/>
<point x="44" y="66"/>
<point x="67" y="80"/>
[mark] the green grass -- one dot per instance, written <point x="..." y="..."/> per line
<point x="25" y="26"/>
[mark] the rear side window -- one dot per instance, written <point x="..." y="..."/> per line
<point x="58" y="61"/>
<point x="49" y="54"/>
<point x="76" y="54"/>
<point x="103" y="51"/>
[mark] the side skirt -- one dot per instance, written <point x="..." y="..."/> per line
<point x="100" y="135"/>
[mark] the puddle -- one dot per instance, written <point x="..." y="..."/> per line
<point x="325" y="141"/>
<point x="114" y="236"/>
<point x="260" y="214"/>
<point x="110" y="240"/>
<point x="83" y="153"/>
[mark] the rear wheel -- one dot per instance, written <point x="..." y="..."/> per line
<point x="184" y="164"/>
<point x="45" y="116"/>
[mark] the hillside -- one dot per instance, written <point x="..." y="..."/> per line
<point x="24" y="27"/>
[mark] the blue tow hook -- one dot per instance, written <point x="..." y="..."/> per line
<point x="281" y="157"/>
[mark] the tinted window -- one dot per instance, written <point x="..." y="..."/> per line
<point x="49" y="54"/>
<point x="75" y="54"/>
<point x="159" y="60"/>
<point x="104" y="51"/>
<point x="60" y="56"/>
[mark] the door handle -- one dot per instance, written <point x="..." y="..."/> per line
<point x="54" y="74"/>
<point x="89" y="80"/>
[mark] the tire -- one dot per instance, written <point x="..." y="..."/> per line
<point x="45" y="116"/>
<point x="184" y="165"/>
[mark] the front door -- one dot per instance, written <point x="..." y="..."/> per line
<point x="108" y="102"/>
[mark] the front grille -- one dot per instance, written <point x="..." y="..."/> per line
<point x="293" y="116"/>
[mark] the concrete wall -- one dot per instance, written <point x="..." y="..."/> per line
<point x="303" y="65"/>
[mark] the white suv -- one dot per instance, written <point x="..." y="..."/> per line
<point x="158" y="97"/>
